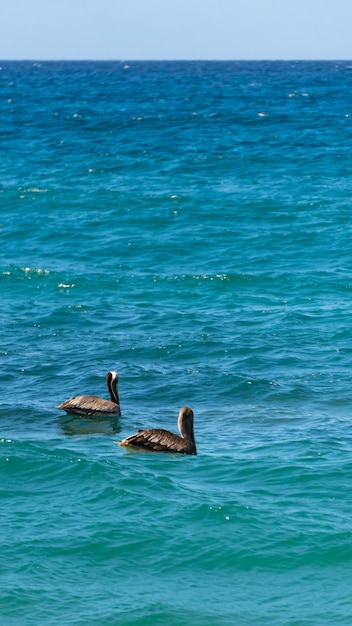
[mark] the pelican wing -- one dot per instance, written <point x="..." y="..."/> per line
<point x="89" y="405"/>
<point x="159" y="440"/>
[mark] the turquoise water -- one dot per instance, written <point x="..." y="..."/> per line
<point x="188" y="225"/>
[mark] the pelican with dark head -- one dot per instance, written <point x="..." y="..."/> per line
<point x="160" y="440"/>
<point x="93" y="405"/>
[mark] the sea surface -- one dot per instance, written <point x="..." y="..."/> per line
<point x="189" y="225"/>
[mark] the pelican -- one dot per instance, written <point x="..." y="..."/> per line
<point x="92" y="405"/>
<point x="160" y="440"/>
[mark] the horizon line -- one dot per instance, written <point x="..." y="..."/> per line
<point x="173" y="60"/>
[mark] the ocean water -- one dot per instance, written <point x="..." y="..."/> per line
<point x="190" y="226"/>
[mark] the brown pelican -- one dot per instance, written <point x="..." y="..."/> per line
<point x="92" y="405"/>
<point x="160" y="440"/>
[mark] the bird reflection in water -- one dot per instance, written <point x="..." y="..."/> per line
<point x="75" y="425"/>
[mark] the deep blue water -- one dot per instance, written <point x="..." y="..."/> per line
<point x="188" y="225"/>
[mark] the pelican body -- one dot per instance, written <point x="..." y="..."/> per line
<point x="93" y="405"/>
<point x="160" y="440"/>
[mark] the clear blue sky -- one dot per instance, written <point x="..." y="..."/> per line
<point x="175" y="29"/>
